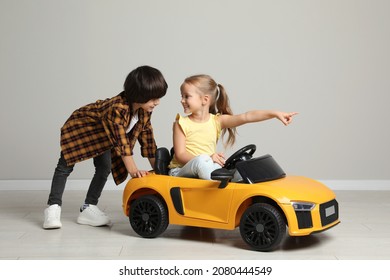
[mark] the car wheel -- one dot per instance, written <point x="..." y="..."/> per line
<point x="148" y="216"/>
<point x="262" y="227"/>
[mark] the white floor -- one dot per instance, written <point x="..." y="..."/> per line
<point x="364" y="233"/>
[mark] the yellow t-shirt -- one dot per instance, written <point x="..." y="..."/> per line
<point x="201" y="138"/>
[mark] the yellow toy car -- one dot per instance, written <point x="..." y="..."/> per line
<point x="263" y="201"/>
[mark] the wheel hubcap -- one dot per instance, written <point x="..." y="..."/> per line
<point x="260" y="228"/>
<point x="145" y="217"/>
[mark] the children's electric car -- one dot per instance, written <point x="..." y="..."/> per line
<point x="251" y="193"/>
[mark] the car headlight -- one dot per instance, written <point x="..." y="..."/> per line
<point x="302" y="206"/>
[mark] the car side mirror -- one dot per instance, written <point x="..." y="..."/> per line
<point x="223" y="175"/>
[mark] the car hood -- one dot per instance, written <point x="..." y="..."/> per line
<point x="297" y="188"/>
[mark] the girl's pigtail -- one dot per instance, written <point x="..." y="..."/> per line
<point x="223" y="107"/>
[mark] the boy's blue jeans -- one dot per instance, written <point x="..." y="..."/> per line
<point x="102" y="165"/>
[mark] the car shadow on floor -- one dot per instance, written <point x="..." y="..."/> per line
<point x="230" y="237"/>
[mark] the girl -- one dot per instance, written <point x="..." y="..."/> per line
<point x="106" y="131"/>
<point x="208" y="118"/>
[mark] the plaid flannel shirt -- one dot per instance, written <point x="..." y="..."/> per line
<point x="97" y="127"/>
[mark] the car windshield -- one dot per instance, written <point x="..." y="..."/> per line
<point x="260" y="169"/>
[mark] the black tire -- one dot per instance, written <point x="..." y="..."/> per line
<point x="262" y="227"/>
<point x="148" y="216"/>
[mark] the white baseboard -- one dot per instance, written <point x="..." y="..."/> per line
<point x="36" y="185"/>
<point x="358" y="185"/>
<point x="44" y="185"/>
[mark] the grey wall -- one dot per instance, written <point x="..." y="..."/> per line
<point x="329" y="60"/>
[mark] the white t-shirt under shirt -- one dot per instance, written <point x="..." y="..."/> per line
<point x="133" y="121"/>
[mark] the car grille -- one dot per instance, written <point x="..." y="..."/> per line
<point x="304" y="219"/>
<point x="329" y="212"/>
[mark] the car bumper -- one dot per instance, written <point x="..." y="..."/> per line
<point x="321" y="217"/>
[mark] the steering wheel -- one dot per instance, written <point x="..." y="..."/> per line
<point x="244" y="153"/>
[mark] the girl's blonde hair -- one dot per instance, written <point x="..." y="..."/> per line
<point x="219" y="103"/>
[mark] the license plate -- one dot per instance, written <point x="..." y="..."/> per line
<point x="330" y="211"/>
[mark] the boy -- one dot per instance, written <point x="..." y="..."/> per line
<point x="107" y="131"/>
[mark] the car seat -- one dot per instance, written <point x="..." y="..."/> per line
<point x="162" y="159"/>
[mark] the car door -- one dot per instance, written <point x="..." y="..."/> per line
<point x="202" y="199"/>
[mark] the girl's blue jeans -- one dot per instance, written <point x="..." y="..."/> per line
<point x="198" y="167"/>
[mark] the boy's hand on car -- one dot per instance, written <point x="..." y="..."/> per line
<point x="139" y="173"/>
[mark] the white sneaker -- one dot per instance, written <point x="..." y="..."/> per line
<point x="52" y="217"/>
<point x="93" y="216"/>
